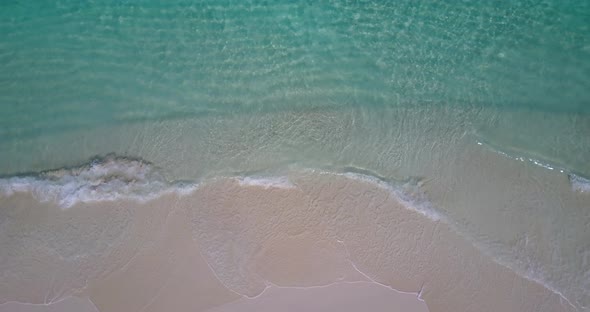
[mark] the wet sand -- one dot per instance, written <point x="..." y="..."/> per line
<point x="70" y="304"/>
<point x="231" y="246"/>
<point x="344" y="297"/>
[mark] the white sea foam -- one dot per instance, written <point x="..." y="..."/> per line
<point x="106" y="179"/>
<point x="516" y="156"/>
<point x="579" y="184"/>
<point x="412" y="196"/>
<point x="409" y="194"/>
<point x="266" y="182"/>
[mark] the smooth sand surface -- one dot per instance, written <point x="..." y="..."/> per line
<point x="169" y="275"/>
<point x="383" y="237"/>
<point x="70" y="304"/>
<point x="232" y="246"/>
<point x="343" y="297"/>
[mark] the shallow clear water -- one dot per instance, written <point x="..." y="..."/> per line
<point x="70" y="65"/>
<point x="489" y="102"/>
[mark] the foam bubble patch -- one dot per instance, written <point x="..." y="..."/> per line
<point x="104" y="179"/>
<point x="266" y="182"/>
<point x="579" y="184"/>
<point x="409" y="193"/>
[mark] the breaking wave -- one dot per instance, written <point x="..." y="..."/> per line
<point x="107" y="178"/>
<point x="579" y="184"/>
<point x="113" y="178"/>
<point x="266" y="182"/>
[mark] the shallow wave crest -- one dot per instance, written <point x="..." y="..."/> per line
<point x="106" y="178"/>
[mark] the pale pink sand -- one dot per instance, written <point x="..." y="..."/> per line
<point x="170" y="275"/>
<point x="382" y="237"/>
<point x="343" y="297"/>
<point x="235" y="246"/>
<point x="71" y="304"/>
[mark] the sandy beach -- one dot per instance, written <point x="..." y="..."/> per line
<point x="257" y="246"/>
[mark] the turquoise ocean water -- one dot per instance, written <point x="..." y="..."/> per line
<point x="402" y="90"/>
